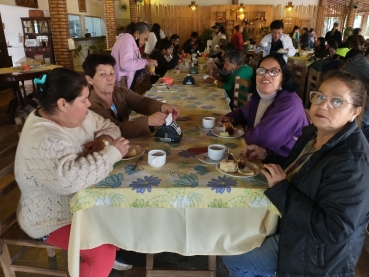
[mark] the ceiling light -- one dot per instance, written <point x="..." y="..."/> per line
<point x="193" y="5"/>
<point x="289" y="6"/>
<point x="240" y="8"/>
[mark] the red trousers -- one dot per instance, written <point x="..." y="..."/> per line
<point x="96" y="262"/>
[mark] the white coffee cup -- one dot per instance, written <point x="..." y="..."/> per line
<point x="208" y="122"/>
<point x="264" y="44"/>
<point x="157" y="158"/>
<point x="216" y="151"/>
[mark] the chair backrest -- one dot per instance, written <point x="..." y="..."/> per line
<point x="290" y="64"/>
<point x="240" y="96"/>
<point x="299" y="74"/>
<point x="313" y="83"/>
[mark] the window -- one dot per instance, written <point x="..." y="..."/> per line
<point x="366" y="32"/>
<point x="328" y="24"/>
<point x="74" y="26"/>
<point x="357" y="21"/>
<point x="95" y="26"/>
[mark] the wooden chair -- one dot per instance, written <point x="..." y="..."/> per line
<point x="299" y="74"/>
<point x="313" y="83"/>
<point x="10" y="232"/>
<point x="239" y="92"/>
<point x="290" y="64"/>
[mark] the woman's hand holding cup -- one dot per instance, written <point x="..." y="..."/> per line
<point x="122" y="144"/>
<point x="152" y="62"/>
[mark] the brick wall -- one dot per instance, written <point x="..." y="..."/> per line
<point x="133" y="10"/>
<point x="60" y="31"/>
<point x="111" y="30"/>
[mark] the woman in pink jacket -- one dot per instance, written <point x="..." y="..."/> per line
<point x="127" y="54"/>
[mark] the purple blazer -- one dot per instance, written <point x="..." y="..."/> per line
<point x="280" y="125"/>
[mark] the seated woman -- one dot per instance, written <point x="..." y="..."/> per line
<point x="321" y="190"/>
<point x="274" y="115"/>
<point x="233" y="64"/>
<point x="320" y="50"/>
<point x="165" y="48"/>
<point x="117" y="103"/>
<point x="64" y="148"/>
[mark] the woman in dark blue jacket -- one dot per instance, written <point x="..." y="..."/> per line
<point x="321" y="190"/>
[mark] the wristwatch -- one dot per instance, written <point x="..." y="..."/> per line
<point x="105" y="141"/>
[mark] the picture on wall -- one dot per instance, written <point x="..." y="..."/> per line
<point x="82" y="5"/>
<point x="27" y="3"/>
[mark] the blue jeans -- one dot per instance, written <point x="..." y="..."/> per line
<point x="259" y="262"/>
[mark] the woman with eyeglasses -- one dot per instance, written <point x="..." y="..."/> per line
<point x="126" y="52"/>
<point x="321" y="190"/>
<point x="274" y="114"/>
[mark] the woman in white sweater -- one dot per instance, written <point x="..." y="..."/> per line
<point x="63" y="148"/>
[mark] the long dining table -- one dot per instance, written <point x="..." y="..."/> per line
<point x="187" y="206"/>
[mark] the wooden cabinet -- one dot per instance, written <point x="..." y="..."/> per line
<point x="38" y="39"/>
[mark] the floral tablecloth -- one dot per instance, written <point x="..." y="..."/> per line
<point x="186" y="206"/>
<point x="184" y="181"/>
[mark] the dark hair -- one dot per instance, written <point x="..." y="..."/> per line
<point x="294" y="29"/>
<point x="237" y="28"/>
<point x="222" y="30"/>
<point x="174" y="37"/>
<point x="357" y="31"/>
<point x="322" y="42"/>
<point x="276" y="24"/>
<point x="334" y="28"/>
<point x="311" y="30"/>
<point x="226" y="47"/>
<point x="234" y="57"/>
<point x="351" y="43"/>
<point x="194" y="35"/>
<point x="305" y="29"/>
<point x="60" y="83"/>
<point x="165" y="44"/>
<point x="156" y="30"/>
<point x="358" y="90"/>
<point x="140" y="27"/>
<point x="332" y="44"/>
<point x="93" y="60"/>
<point x="352" y="53"/>
<point x="288" y="82"/>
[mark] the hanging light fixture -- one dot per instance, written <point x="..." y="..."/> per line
<point x="240" y="8"/>
<point x="289" y="6"/>
<point x="193" y="5"/>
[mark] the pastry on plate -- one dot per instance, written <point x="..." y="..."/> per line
<point x="133" y="152"/>
<point x="228" y="166"/>
<point x="228" y="127"/>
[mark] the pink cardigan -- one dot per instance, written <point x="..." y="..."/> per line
<point x="128" y="58"/>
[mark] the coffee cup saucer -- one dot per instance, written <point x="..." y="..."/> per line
<point x="203" y="128"/>
<point x="205" y="159"/>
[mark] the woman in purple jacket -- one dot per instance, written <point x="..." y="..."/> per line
<point x="274" y="115"/>
<point x="127" y="54"/>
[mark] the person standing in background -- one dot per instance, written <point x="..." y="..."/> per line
<point x="237" y="38"/>
<point x="312" y="38"/>
<point x="334" y="34"/>
<point x="295" y="36"/>
<point x="246" y="37"/>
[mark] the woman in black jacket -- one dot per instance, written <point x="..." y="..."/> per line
<point x="321" y="190"/>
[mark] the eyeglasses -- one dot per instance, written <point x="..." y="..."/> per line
<point x="272" y="72"/>
<point x="334" y="102"/>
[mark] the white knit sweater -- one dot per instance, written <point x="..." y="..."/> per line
<point x="50" y="169"/>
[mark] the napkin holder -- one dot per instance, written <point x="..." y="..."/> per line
<point x="170" y="133"/>
<point x="193" y="70"/>
<point x="188" y="80"/>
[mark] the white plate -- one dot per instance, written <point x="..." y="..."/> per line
<point x="142" y="151"/>
<point x="202" y="128"/>
<point x="205" y="159"/>
<point x="237" y="132"/>
<point x="233" y="174"/>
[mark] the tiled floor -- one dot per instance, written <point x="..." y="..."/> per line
<point x="39" y="257"/>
